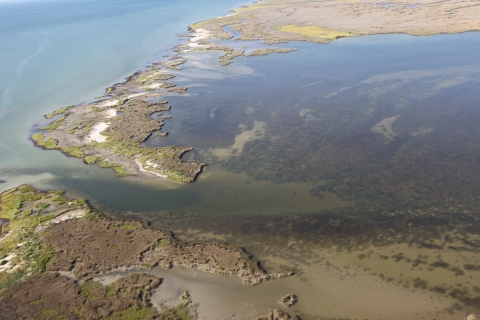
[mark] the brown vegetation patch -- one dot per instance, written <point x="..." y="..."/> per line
<point x="135" y="123"/>
<point x="51" y="296"/>
<point x="98" y="244"/>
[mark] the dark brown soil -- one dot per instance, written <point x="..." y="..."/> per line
<point x="52" y="296"/>
<point x="135" y="123"/>
<point x="97" y="244"/>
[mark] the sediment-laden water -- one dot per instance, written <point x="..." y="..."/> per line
<point x="355" y="164"/>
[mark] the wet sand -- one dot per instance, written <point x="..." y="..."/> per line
<point x="328" y="293"/>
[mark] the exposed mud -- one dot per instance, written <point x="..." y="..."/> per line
<point x="56" y="244"/>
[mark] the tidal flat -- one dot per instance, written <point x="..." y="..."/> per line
<point x="350" y="164"/>
<point x="395" y="241"/>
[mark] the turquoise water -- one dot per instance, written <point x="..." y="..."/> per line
<point x="56" y="53"/>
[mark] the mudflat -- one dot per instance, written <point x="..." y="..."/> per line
<point x="51" y="246"/>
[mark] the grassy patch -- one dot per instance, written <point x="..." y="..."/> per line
<point x="60" y="200"/>
<point x="89" y="288"/>
<point x="75" y="151"/>
<point x="20" y="207"/>
<point x="89" y="127"/>
<point x="121" y="172"/>
<point x="162" y="243"/>
<point x="180" y="312"/>
<point x="26" y="188"/>
<point x="57" y="192"/>
<point x="118" y="168"/>
<point x="57" y="112"/>
<point x="133" y="314"/>
<point x="315" y="32"/>
<point x="8" y="280"/>
<point x="108" y="91"/>
<point x="54" y="125"/>
<point x="128" y="226"/>
<point x="42" y="205"/>
<point x="62" y="110"/>
<point x="75" y="127"/>
<point x="91" y="159"/>
<point x="50" y="143"/>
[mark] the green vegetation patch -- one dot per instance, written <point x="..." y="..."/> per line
<point x="57" y="112"/>
<point x="55" y="124"/>
<point x="91" y="159"/>
<point x="42" y="205"/>
<point x="128" y="226"/>
<point x="26" y="188"/>
<point x="315" y="32"/>
<point x="50" y="143"/>
<point x="133" y="314"/>
<point x="89" y="127"/>
<point x="117" y="167"/>
<point x="31" y="254"/>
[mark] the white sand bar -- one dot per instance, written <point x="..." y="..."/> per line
<point x="152" y="172"/>
<point x="136" y="95"/>
<point x="200" y="34"/>
<point x="111" y="113"/>
<point x="110" y="103"/>
<point x="68" y="216"/>
<point x="95" y="132"/>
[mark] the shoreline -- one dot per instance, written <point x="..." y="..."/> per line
<point x="122" y="145"/>
<point x="55" y="225"/>
<point x="228" y="55"/>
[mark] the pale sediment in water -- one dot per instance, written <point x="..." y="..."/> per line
<point x="419" y="301"/>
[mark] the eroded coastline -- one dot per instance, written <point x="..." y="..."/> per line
<point x="388" y="247"/>
<point x="110" y="131"/>
<point x="61" y="243"/>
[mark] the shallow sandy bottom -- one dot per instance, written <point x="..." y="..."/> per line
<point x="326" y="293"/>
<point x="218" y="297"/>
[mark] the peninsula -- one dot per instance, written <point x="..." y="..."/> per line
<point x="51" y="246"/>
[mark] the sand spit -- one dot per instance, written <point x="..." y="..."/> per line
<point x="152" y="172"/>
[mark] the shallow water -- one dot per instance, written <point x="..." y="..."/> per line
<point x="352" y="163"/>
<point x="57" y="53"/>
